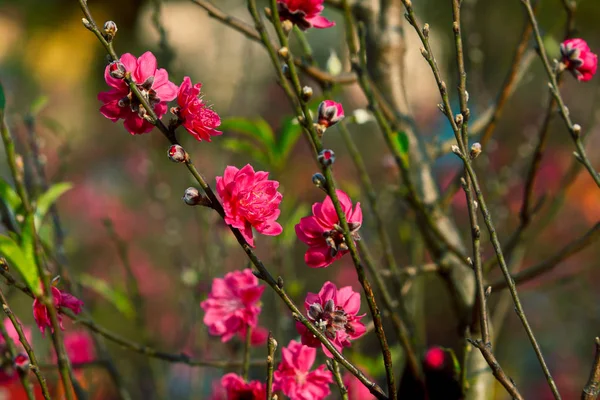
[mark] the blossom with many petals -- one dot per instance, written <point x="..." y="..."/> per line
<point x="153" y="84"/>
<point x="234" y="387"/>
<point x="294" y="377"/>
<point x="61" y="299"/>
<point x="250" y="200"/>
<point x="323" y="234"/>
<point x="232" y="304"/>
<point x="334" y="312"/>
<point x="195" y="116"/>
<point x="303" y="13"/>
<point x="356" y="389"/>
<point x="579" y="59"/>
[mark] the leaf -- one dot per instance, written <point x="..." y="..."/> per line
<point x="114" y="296"/>
<point x="18" y="260"/>
<point x="47" y="199"/>
<point x="38" y="105"/>
<point x="244" y="146"/>
<point x="288" y="236"/>
<point x="402" y="142"/>
<point x="257" y="129"/>
<point x="2" y="99"/>
<point x="290" y="133"/>
<point x="9" y="195"/>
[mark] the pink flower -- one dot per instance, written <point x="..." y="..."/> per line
<point x="303" y="13"/>
<point x="194" y="114"/>
<point x="232" y="304"/>
<point x="334" y="312"/>
<point x="12" y="332"/>
<point x="294" y="377"/>
<point x="330" y="113"/>
<point x="250" y="200"/>
<point x="578" y="58"/>
<point x="80" y="347"/>
<point x="234" y="387"/>
<point x="356" y="390"/>
<point x="322" y="232"/>
<point x="61" y="299"/>
<point x="435" y="358"/>
<point x="121" y="103"/>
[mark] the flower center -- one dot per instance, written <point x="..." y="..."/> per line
<point x="245" y="394"/>
<point x="148" y="94"/>
<point x="335" y="238"/>
<point x="301" y="378"/>
<point x="329" y="319"/>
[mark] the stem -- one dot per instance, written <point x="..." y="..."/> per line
<point x="592" y="387"/>
<point x="271" y="347"/>
<point x="334" y="367"/>
<point x="23" y="339"/>
<point x="247" y="347"/>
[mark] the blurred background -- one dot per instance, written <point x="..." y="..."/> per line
<point x="51" y="67"/>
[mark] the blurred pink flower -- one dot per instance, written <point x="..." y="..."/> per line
<point x="12" y="332"/>
<point x="232" y="304"/>
<point x="356" y="390"/>
<point x="7" y="372"/>
<point x="434" y="358"/>
<point x="335" y="313"/>
<point x="322" y="233"/>
<point x="80" y="347"/>
<point x="121" y="103"/>
<point x="330" y="113"/>
<point x="579" y="59"/>
<point x="234" y="387"/>
<point x="294" y="377"/>
<point x="250" y="200"/>
<point x="61" y="299"/>
<point x="194" y="114"/>
<point x="303" y="13"/>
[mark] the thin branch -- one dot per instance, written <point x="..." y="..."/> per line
<point x="334" y="367"/>
<point x="574" y="129"/>
<point x="271" y="347"/>
<point x="545" y="266"/>
<point x="592" y="387"/>
<point x="13" y="353"/>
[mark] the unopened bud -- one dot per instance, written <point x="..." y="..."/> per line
<point x="424" y="52"/>
<point x="459" y="119"/>
<point x="475" y="150"/>
<point x="326" y="157"/>
<point x="426" y="30"/>
<point x="284" y="52"/>
<point x="21" y="362"/>
<point x="330" y="113"/>
<point x="443" y="88"/>
<point x="576" y="129"/>
<point x="287" y="26"/>
<point x="177" y="154"/>
<point x="286" y="71"/>
<point x="319" y="180"/>
<point x="455" y="27"/>
<point x="307" y="93"/>
<point x="192" y="197"/>
<point x="110" y="30"/>
<point x="116" y="70"/>
<point x="488" y="291"/>
<point x="87" y="23"/>
<point x="441" y="108"/>
<point x="456" y="150"/>
<point x="268" y="13"/>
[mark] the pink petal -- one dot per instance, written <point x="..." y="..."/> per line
<point x="146" y="67"/>
<point x="320" y="22"/>
<point x="318" y="257"/>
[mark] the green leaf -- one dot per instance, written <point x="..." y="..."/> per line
<point x="2" y="98"/>
<point x="288" y="236"/>
<point x="246" y="147"/>
<point x="290" y="133"/>
<point x="402" y="142"/>
<point x="257" y="129"/>
<point x="46" y="199"/>
<point x="38" y="105"/>
<point x="115" y="296"/>
<point x="20" y="261"/>
<point x="9" y="195"/>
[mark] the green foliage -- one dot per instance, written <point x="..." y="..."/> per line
<point x="258" y="140"/>
<point x="21" y="258"/>
<point x="114" y="296"/>
<point x="402" y="145"/>
<point x="2" y="99"/>
<point x="47" y="199"/>
<point x="38" y="105"/>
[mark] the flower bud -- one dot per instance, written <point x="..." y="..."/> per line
<point x="268" y="13"/>
<point x="326" y="157"/>
<point x="192" y="196"/>
<point x="307" y="93"/>
<point x="284" y="52"/>
<point x="424" y="53"/>
<point x="110" y="30"/>
<point x="456" y="150"/>
<point x="475" y="150"/>
<point x="21" y="362"/>
<point x="117" y="70"/>
<point x="319" y="180"/>
<point x="576" y="129"/>
<point x="426" y="30"/>
<point x="177" y="154"/>
<point x="330" y="113"/>
<point x="459" y="119"/>
<point x="287" y="26"/>
<point x="87" y="23"/>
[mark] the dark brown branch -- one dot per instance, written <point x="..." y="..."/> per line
<point x="592" y="387"/>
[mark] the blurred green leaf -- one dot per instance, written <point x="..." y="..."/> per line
<point x="38" y="105"/>
<point x="402" y="142"/>
<point x="9" y="195"/>
<point x="290" y="133"/>
<point x="20" y="261"/>
<point x="242" y="146"/>
<point x="288" y="236"/>
<point x="2" y="98"/>
<point x="115" y="296"/>
<point x="46" y="199"/>
<point x="257" y="129"/>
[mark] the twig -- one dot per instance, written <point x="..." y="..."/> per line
<point x="334" y="367"/>
<point x="574" y="130"/>
<point x="13" y="352"/>
<point x="247" y="30"/>
<point x="501" y="377"/>
<point x="545" y="266"/>
<point x="271" y="347"/>
<point x="247" y="347"/>
<point x="23" y="339"/>
<point x="592" y="387"/>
